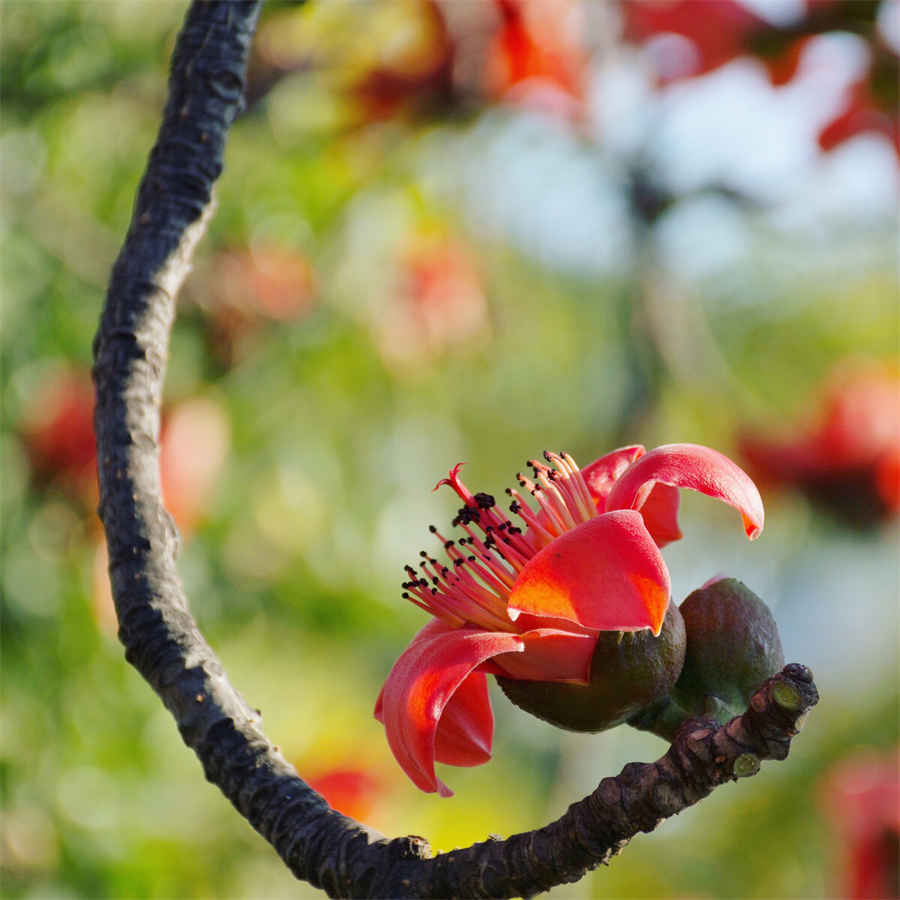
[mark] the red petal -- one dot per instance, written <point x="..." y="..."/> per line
<point x="466" y="728"/>
<point x="419" y="689"/>
<point x="660" y="512"/>
<point x="551" y="654"/>
<point x="601" y="474"/>
<point x="607" y="574"/>
<point x="690" y="466"/>
<point x="718" y="29"/>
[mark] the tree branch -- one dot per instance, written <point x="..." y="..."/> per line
<point x="163" y="642"/>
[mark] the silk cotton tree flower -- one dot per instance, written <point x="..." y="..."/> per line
<point x="570" y="609"/>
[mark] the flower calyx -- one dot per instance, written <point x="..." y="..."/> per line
<point x="629" y="672"/>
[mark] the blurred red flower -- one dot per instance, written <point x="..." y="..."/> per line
<point x="536" y="58"/>
<point x="58" y="435"/>
<point x="716" y="29"/>
<point x="194" y="445"/>
<point x="58" y="432"/>
<point x="439" y="301"/>
<point x="848" y="457"/>
<point x="860" y="114"/>
<point x="244" y="288"/>
<point x="687" y="38"/>
<point x="861" y="797"/>
<point x="349" y="789"/>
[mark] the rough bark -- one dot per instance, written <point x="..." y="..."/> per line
<point x="163" y="642"/>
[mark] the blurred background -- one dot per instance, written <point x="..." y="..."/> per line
<point x="454" y="230"/>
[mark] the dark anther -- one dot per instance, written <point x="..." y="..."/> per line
<point x="448" y="545"/>
<point x="514" y="506"/>
<point x="466" y="515"/>
<point x="432" y="529"/>
<point x="484" y="501"/>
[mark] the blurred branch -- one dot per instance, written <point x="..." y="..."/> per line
<point x="163" y="642"/>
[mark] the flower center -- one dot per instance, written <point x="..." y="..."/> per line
<point x="472" y="587"/>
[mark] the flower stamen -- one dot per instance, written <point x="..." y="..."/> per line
<point x="589" y="507"/>
<point x="489" y="555"/>
<point x="475" y="587"/>
<point x="548" y="479"/>
<point x="580" y="504"/>
<point x="547" y="505"/>
<point x="542" y="535"/>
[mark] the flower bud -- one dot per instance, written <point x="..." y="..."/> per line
<point x="732" y="647"/>
<point x="628" y="672"/>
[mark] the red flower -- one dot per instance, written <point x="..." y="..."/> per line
<point x="193" y="448"/>
<point x="529" y="604"/>
<point x="248" y="287"/>
<point x="58" y="432"/>
<point x="861" y="113"/>
<point x="861" y="796"/>
<point x="849" y="459"/>
<point x="717" y="30"/>
<point x="439" y="302"/>
<point x="349" y="789"/>
<point x="535" y="58"/>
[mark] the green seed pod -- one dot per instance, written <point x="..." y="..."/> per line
<point x="732" y="647"/>
<point x="628" y="672"/>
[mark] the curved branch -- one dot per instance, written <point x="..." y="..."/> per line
<point x="163" y="642"/>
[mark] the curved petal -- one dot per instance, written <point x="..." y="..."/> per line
<point x="551" y="654"/>
<point x="607" y="574"/>
<point x="422" y="684"/>
<point x="466" y="728"/>
<point x="690" y="466"/>
<point x="430" y="629"/>
<point x="601" y="474"/>
<point x="660" y="512"/>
